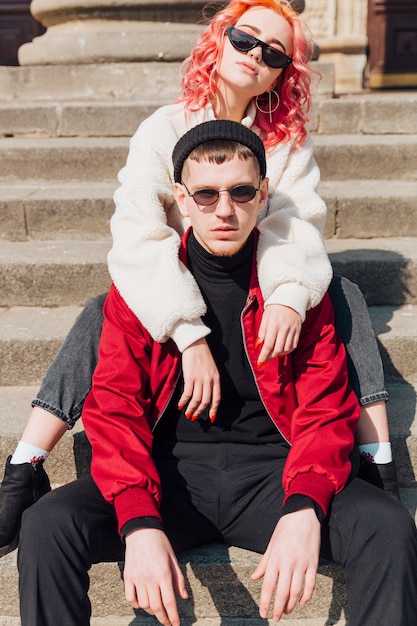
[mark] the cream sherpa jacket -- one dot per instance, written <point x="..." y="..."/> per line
<point x="293" y="267"/>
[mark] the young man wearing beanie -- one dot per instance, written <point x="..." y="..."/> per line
<point x="269" y="473"/>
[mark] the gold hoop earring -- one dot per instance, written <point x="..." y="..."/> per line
<point x="270" y="109"/>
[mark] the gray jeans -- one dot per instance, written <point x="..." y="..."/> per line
<point x="68" y="378"/>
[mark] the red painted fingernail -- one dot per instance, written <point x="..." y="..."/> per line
<point x="188" y="416"/>
<point x="194" y="417"/>
<point x="261" y="364"/>
<point x="212" y="418"/>
<point x="257" y="342"/>
<point x="180" y="407"/>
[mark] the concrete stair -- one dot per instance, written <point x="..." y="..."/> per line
<point x="62" y="142"/>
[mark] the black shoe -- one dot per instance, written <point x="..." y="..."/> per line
<point x="22" y="486"/>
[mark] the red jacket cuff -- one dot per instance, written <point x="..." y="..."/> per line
<point x="132" y="503"/>
<point x="317" y="487"/>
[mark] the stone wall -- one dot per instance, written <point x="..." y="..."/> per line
<point x="331" y="18"/>
<point x="339" y="28"/>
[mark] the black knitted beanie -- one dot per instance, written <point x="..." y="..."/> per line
<point x="217" y="129"/>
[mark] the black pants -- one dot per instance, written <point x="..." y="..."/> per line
<point x="230" y="495"/>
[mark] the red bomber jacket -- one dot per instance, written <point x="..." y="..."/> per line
<point x="306" y="394"/>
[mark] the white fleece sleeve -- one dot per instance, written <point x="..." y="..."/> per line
<point x="293" y="266"/>
<point x="146" y="228"/>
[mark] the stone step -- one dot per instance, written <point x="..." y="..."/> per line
<point x="111" y="82"/>
<point x="56" y="211"/>
<point x="340" y="157"/>
<point x="384" y="269"/>
<point x="51" y="273"/>
<point x="367" y="113"/>
<point x="362" y="157"/>
<point x="43" y="210"/>
<point x="210" y="571"/>
<point x="59" y="159"/>
<point x="360" y="114"/>
<point x="366" y="209"/>
<point x="77" y="119"/>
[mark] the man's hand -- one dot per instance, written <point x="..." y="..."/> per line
<point x="290" y="563"/>
<point x="152" y="575"/>
<point x="279" y="331"/>
<point x="201" y="381"/>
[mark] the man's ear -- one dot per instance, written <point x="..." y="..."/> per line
<point x="263" y="193"/>
<point x="180" y="197"/>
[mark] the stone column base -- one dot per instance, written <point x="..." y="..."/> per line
<point x="110" y="41"/>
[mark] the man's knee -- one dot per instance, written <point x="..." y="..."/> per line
<point x="44" y="523"/>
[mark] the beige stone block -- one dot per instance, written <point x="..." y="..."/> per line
<point x="30" y="119"/>
<point x="323" y="85"/>
<point x="349" y="70"/>
<point x="63" y="159"/>
<point x="109" y="119"/>
<point x="12" y="220"/>
<point x="371" y="157"/>
<point x="381" y="215"/>
<point x="391" y="114"/>
<point x="114" y="82"/>
<point x="339" y="117"/>
<point x="52" y="273"/>
<point x="60" y="211"/>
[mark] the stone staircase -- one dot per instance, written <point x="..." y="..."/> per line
<point x="63" y="137"/>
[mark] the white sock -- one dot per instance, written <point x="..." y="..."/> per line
<point x="26" y="453"/>
<point x="379" y="452"/>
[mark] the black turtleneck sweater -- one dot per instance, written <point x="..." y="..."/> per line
<point x="241" y="417"/>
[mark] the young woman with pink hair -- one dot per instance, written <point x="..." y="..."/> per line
<point x="249" y="65"/>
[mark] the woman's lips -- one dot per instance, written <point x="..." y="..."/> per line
<point x="249" y="67"/>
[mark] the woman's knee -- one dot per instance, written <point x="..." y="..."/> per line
<point x="348" y="301"/>
<point x="94" y="307"/>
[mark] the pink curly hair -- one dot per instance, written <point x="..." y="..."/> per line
<point x="293" y="84"/>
